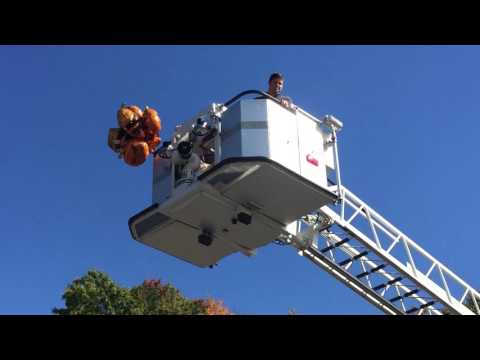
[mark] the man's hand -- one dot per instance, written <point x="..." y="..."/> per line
<point x="288" y="104"/>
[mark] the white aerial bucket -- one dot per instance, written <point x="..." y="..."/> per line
<point x="267" y="168"/>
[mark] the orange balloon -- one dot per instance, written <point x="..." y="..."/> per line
<point x="152" y="120"/>
<point x="136" y="110"/>
<point x="136" y="152"/>
<point x="124" y="117"/>
<point x="128" y="116"/>
<point x="153" y="143"/>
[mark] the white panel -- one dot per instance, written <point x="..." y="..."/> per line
<point x="162" y="180"/>
<point x="255" y="142"/>
<point x="203" y="210"/>
<point x="279" y="194"/>
<point x="254" y="110"/>
<point x="311" y="147"/>
<point x="180" y="240"/>
<point x="283" y="136"/>
<point x="254" y="139"/>
<point x="208" y="211"/>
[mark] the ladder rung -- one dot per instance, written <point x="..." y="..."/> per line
<point x="365" y="273"/>
<point x="409" y="311"/>
<point x="358" y="256"/>
<point x="391" y="282"/>
<point x="328" y="248"/>
<point x="411" y="292"/>
<point x="379" y="267"/>
<point x="430" y="303"/>
<point x="396" y="298"/>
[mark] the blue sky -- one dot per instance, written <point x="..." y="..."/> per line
<point x="408" y="148"/>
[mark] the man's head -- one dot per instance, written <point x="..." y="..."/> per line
<point x="275" y="84"/>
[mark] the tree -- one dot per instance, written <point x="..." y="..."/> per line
<point x="154" y="298"/>
<point x="96" y="294"/>
<point x="213" y="307"/>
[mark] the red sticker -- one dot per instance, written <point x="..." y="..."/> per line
<point x="312" y="160"/>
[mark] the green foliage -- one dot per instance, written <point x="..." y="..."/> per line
<point x="96" y="294"/>
<point x="154" y="298"/>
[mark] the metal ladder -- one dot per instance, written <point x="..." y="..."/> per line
<point x="379" y="262"/>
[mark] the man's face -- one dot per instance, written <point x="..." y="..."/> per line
<point x="275" y="86"/>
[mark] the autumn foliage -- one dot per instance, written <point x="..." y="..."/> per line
<point x="96" y="294"/>
<point x="214" y="307"/>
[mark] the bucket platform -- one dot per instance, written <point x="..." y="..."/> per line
<point x="268" y="168"/>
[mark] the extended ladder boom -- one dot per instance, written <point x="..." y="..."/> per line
<point x="379" y="262"/>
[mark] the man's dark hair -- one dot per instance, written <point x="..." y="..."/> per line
<point x="275" y="76"/>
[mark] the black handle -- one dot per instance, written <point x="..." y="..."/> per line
<point x="235" y="98"/>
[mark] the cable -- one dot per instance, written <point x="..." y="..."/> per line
<point x="235" y="98"/>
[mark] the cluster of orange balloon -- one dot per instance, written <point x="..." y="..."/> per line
<point x="137" y="135"/>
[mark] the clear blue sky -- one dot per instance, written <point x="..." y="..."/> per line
<point x="409" y="148"/>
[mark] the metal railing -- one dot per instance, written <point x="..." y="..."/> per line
<point x="383" y="238"/>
